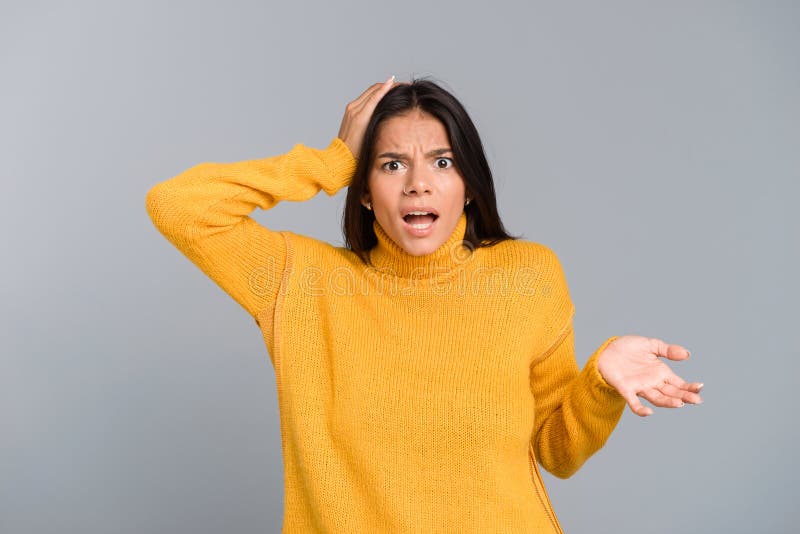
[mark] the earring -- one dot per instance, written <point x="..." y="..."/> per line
<point x="467" y="202"/>
<point x="369" y="206"/>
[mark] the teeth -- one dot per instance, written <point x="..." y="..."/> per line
<point x="419" y="226"/>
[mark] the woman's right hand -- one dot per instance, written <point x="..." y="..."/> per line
<point x="358" y="112"/>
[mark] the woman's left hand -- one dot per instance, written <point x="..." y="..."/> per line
<point x="633" y="366"/>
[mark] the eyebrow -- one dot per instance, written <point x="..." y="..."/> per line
<point x="398" y="155"/>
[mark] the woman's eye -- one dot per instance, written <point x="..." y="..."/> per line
<point x="447" y="163"/>
<point x="392" y="166"/>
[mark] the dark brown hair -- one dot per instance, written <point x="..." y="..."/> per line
<point x="484" y="227"/>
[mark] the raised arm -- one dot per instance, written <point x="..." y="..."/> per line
<point x="205" y="210"/>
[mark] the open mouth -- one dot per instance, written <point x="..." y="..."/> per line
<point x="420" y="219"/>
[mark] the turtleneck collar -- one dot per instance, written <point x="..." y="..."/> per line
<point x="389" y="257"/>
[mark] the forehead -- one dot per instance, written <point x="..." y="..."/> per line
<point x="415" y="127"/>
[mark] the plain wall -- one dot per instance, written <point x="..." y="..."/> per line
<point x="654" y="147"/>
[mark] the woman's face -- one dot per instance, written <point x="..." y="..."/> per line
<point x="416" y="191"/>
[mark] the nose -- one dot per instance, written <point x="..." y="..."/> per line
<point x="416" y="183"/>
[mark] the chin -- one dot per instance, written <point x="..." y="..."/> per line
<point x="420" y="248"/>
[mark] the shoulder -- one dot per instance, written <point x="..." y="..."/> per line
<point x="307" y="250"/>
<point x="517" y="253"/>
<point x="535" y="271"/>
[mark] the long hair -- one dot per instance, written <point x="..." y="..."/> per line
<point x="484" y="227"/>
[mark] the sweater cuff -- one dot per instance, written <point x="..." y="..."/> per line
<point x="340" y="163"/>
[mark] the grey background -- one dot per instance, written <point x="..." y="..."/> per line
<point x="654" y="146"/>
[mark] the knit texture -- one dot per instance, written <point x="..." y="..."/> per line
<point x="416" y="393"/>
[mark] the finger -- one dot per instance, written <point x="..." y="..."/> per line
<point x="665" y="350"/>
<point x="678" y="382"/>
<point x="656" y="398"/>
<point x="375" y="97"/>
<point x="356" y="107"/>
<point x="678" y="393"/>
<point x="367" y="105"/>
<point x="636" y="405"/>
<point x="366" y="94"/>
<point x="379" y="88"/>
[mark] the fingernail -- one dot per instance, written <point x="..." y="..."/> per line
<point x="700" y="386"/>
<point x="390" y="80"/>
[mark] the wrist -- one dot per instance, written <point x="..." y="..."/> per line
<point x="602" y="355"/>
<point x="339" y="161"/>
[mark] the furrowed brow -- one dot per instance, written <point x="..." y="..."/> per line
<point x="398" y="155"/>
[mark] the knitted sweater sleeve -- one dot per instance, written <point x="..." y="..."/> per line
<point x="204" y="212"/>
<point x="576" y="410"/>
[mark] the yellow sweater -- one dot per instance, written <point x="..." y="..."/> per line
<point x="416" y="394"/>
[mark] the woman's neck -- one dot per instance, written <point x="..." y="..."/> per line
<point x="387" y="256"/>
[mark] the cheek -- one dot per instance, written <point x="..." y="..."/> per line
<point x="382" y="191"/>
<point x="457" y="190"/>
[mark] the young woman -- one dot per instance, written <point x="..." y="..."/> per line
<point x="427" y="367"/>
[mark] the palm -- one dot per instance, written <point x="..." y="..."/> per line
<point x="633" y="366"/>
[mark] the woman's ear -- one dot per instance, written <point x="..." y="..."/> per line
<point x="366" y="201"/>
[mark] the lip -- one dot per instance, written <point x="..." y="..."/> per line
<point x="408" y="209"/>
<point x="419" y="232"/>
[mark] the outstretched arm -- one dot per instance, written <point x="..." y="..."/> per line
<point x="575" y="423"/>
<point x="576" y="410"/>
